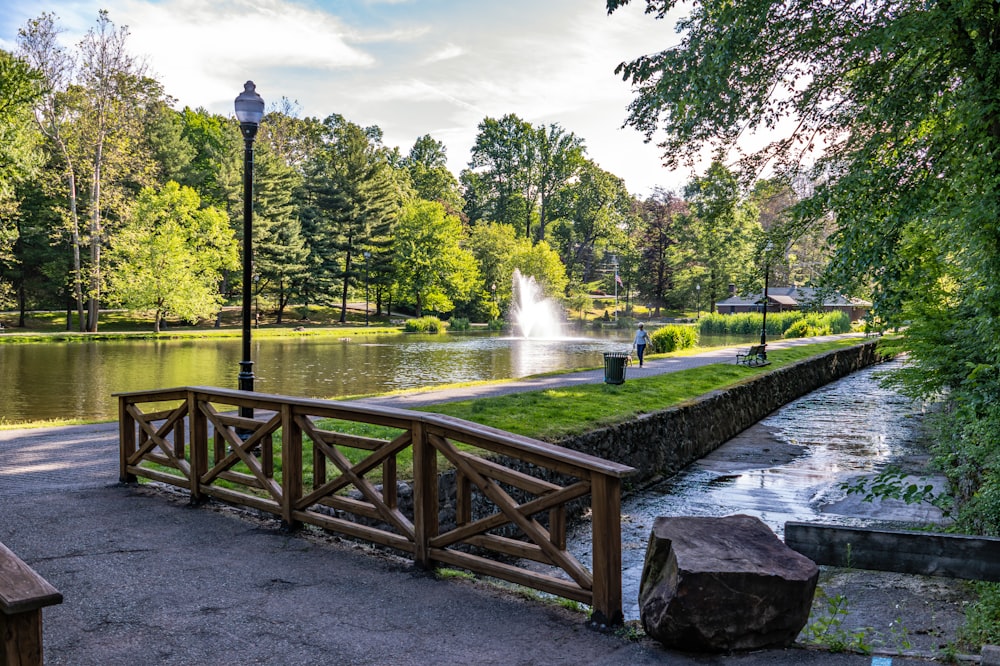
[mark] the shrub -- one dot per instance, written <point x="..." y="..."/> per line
<point x="803" y="328"/>
<point x="459" y="324"/>
<point x="423" y="325"/>
<point x="794" y="324"/>
<point x="671" y="338"/>
<point x="496" y="324"/>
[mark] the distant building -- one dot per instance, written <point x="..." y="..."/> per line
<point x="784" y="299"/>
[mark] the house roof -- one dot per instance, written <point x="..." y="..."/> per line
<point x="795" y="296"/>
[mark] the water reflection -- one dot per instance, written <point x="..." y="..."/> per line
<point x="76" y="380"/>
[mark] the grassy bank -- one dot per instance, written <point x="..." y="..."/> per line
<point x="555" y="413"/>
<point x="120" y="325"/>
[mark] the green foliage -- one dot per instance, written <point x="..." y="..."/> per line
<point x="828" y="628"/>
<point x="169" y="256"/>
<point x="779" y="324"/>
<point x="459" y="324"/>
<point x="514" y="167"/>
<point x="673" y="338"/>
<point x="892" y="483"/>
<point x="432" y="266"/>
<point x="982" y="619"/>
<point x="424" y="324"/>
<point x="726" y="230"/>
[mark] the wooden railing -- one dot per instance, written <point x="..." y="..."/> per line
<point x="23" y="594"/>
<point x="190" y="437"/>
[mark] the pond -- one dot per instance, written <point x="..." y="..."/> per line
<point x="76" y="380"/>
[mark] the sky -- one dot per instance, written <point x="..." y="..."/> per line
<point x="412" y="67"/>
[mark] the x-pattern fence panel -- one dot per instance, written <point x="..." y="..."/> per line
<point x="342" y="466"/>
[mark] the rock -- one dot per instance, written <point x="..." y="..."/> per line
<point x="721" y="584"/>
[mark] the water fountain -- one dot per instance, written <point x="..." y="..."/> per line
<point x="533" y="314"/>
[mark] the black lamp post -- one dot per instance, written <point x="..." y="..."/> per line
<point x="249" y="111"/>
<point x="368" y="256"/>
<point x="763" y="326"/>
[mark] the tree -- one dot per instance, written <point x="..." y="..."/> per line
<point x="169" y="256"/>
<point x="519" y="168"/>
<point x="895" y="104"/>
<point x="353" y="197"/>
<point x="725" y="230"/>
<point x="19" y="167"/>
<point x="593" y="213"/>
<point x="560" y="159"/>
<point x="667" y="252"/>
<point x="427" y="164"/>
<point x="110" y="81"/>
<point x="38" y="43"/>
<point x="280" y="252"/>
<point x="432" y="268"/>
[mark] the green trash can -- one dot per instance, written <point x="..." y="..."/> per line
<point x="614" y="367"/>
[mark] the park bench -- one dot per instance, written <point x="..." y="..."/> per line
<point x="23" y="594"/>
<point x="755" y="356"/>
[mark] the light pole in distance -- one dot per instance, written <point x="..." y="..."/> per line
<point x="249" y="111"/>
<point x="763" y="325"/>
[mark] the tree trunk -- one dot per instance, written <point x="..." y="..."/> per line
<point x="76" y="242"/>
<point x="94" y="299"/>
<point x="343" y="295"/>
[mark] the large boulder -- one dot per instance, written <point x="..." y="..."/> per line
<point x="722" y="584"/>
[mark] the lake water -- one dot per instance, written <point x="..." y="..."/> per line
<point x="77" y="380"/>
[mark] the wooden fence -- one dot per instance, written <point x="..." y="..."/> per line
<point x="304" y="461"/>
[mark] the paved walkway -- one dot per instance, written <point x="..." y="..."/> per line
<point x="147" y="579"/>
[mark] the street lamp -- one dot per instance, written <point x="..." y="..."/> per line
<point x="249" y="111"/>
<point x="763" y="325"/>
<point x="368" y="255"/>
<point x="697" y="289"/>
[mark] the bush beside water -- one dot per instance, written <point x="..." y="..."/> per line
<point x="459" y="324"/>
<point x="671" y="338"/>
<point x="779" y="324"/>
<point x="424" y="325"/>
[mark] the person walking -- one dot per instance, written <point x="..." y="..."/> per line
<point x="639" y="344"/>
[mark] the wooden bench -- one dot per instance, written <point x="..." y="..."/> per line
<point x="23" y="594"/>
<point x="755" y="356"/>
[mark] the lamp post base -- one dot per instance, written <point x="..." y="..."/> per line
<point x="246" y="379"/>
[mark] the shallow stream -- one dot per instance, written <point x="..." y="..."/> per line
<point x="788" y="467"/>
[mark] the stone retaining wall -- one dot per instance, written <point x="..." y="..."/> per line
<point x="662" y="443"/>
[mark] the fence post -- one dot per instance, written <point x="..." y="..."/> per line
<point x="198" y="424"/>
<point x="126" y="441"/>
<point x="425" y="495"/>
<point x="291" y="465"/>
<point x="607" y="549"/>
